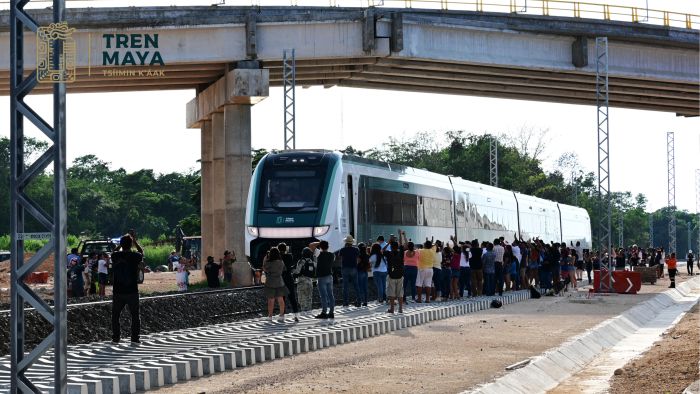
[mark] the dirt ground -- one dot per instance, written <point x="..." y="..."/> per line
<point x="669" y="366"/>
<point x="154" y="282"/>
<point x="445" y="356"/>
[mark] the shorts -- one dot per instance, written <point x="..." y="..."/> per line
<point x="455" y="272"/>
<point x="102" y="278"/>
<point x="394" y="288"/>
<point x="273" y="292"/>
<point x="579" y="265"/>
<point x="425" y="278"/>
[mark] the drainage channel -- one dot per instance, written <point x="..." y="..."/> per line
<point x="585" y="363"/>
<point x="171" y="357"/>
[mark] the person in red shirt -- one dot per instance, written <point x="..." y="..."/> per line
<point x="671" y="263"/>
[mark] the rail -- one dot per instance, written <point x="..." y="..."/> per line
<point x="560" y="8"/>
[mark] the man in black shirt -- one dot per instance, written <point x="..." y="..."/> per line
<point x="324" y="273"/>
<point x="211" y="270"/>
<point x="125" y="267"/>
<point x="349" y="255"/>
<point x="395" y="284"/>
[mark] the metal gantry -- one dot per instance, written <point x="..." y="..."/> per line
<point x="605" y="203"/>
<point x="671" y="166"/>
<point x="21" y="175"/>
<point x="651" y="229"/>
<point x="289" y="77"/>
<point x="493" y="161"/>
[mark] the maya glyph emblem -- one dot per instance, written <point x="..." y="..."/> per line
<point x="46" y="37"/>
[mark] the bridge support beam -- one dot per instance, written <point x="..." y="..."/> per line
<point x="223" y="114"/>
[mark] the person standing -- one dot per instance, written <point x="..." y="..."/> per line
<point x="499" y="251"/>
<point x="455" y="271"/>
<point x="102" y="273"/>
<point x="181" y="276"/>
<point x="410" y="277"/>
<point x="324" y="272"/>
<point x="77" y="281"/>
<point x="671" y="263"/>
<point x="125" y="265"/>
<point x="275" y="290"/>
<point x="488" y="261"/>
<point x="425" y="271"/>
<point x="348" y="256"/>
<point x="379" y="271"/>
<point x="289" y="267"/>
<point x="227" y="264"/>
<point x="211" y="270"/>
<point x="305" y="272"/>
<point x="395" y="283"/>
<point x="435" y="290"/>
<point x="90" y="265"/>
<point x="465" y="273"/>
<point x="689" y="258"/>
<point x="363" y="268"/>
<point x="73" y="255"/>
<point x="476" y="266"/>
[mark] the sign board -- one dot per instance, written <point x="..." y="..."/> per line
<point x="33" y="236"/>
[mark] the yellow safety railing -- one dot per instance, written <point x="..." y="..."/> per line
<point x="554" y="8"/>
<point x="562" y="8"/>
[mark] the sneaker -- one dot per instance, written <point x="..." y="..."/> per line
<point x="269" y="318"/>
<point x="322" y="315"/>
<point x="400" y="311"/>
<point x="281" y="319"/>
<point x="115" y="341"/>
<point x="296" y="319"/>
<point x="364" y="304"/>
<point x="331" y="316"/>
<point x="357" y="305"/>
<point x="390" y="311"/>
<point x="345" y="305"/>
<point x="135" y="341"/>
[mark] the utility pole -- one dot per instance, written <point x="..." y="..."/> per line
<point x="621" y="234"/>
<point x="671" y="166"/>
<point x="697" y="207"/>
<point x="493" y="161"/>
<point x="289" y="75"/>
<point x="605" y="207"/>
<point x="651" y="229"/>
<point x="574" y="189"/>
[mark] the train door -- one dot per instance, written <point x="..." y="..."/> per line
<point x="351" y="206"/>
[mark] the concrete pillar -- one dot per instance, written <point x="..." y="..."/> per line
<point x="218" y="180"/>
<point x="238" y="162"/>
<point x="205" y="194"/>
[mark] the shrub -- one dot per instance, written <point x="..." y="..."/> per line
<point x="156" y="255"/>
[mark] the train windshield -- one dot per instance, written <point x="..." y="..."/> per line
<point x="297" y="190"/>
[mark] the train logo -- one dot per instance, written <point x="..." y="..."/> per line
<point x="48" y="39"/>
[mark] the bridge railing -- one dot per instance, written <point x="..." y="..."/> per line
<point x="561" y="8"/>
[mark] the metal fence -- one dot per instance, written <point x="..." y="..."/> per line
<point x="555" y="8"/>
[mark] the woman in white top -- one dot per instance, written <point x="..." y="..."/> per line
<point x="102" y="273"/>
<point x="379" y="271"/>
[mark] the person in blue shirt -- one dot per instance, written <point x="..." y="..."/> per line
<point x="73" y="255"/>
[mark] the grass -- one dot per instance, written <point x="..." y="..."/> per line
<point x="156" y="255"/>
<point x="35" y="245"/>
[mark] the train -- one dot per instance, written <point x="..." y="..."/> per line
<point x="302" y="196"/>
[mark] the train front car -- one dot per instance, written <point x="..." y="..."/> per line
<point x="291" y="200"/>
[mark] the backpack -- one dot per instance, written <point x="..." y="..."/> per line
<point x="308" y="268"/>
<point x="496" y="303"/>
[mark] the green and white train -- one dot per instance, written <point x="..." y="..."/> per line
<point x="302" y="196"/>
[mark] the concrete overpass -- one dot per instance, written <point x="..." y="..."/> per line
<point x="231" y="55"/>
<point x="454" y="52"/>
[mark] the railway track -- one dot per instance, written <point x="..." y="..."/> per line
<point x="155" y="297"/>
<point x="169" y="357"/>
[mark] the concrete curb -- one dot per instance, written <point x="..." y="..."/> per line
<point x="554" y="366"/>
<point x="171" y="357"/>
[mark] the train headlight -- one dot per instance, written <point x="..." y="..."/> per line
<point x="321" y="231"/>
<point x="253" y="231"/>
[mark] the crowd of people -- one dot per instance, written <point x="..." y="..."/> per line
<point x="432" y="271"/>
